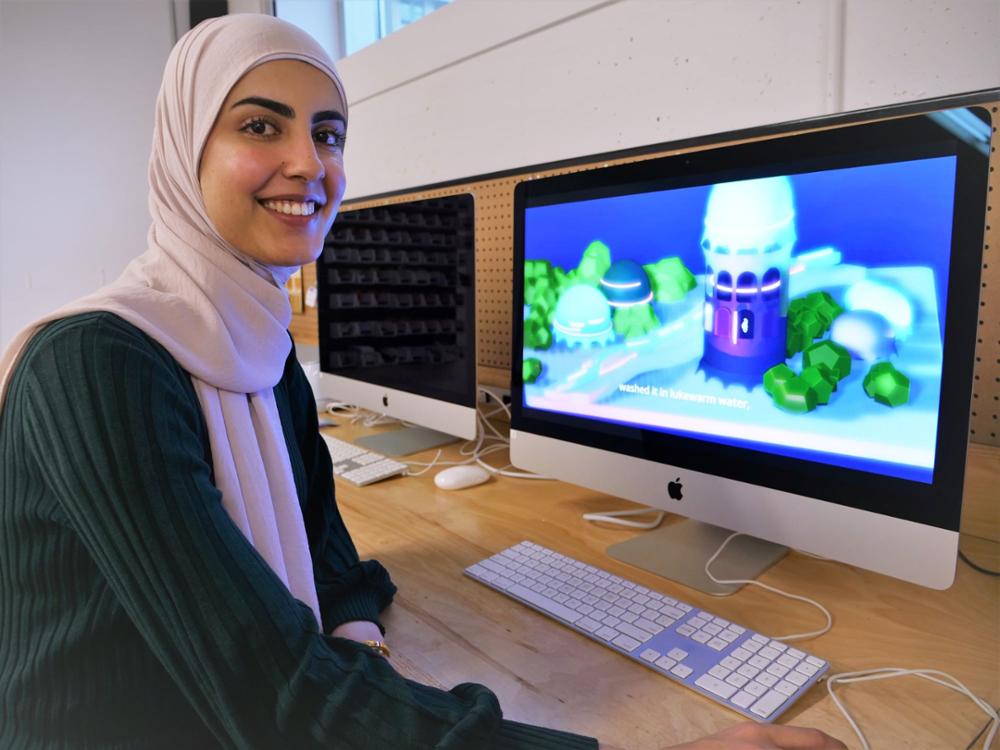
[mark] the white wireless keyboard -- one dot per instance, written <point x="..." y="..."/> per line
<point x="745" y="671"/>
<point x="359" y="466"/>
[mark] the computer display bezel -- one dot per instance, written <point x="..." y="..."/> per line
<point x="938" y="503"/>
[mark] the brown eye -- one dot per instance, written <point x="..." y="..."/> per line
<point x="330" y="138"/>
<point x="259" y="127"/>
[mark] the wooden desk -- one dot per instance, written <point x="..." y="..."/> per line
<point x="447" y="629"/>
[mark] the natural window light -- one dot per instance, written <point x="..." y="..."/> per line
<point x="345" y="26"/>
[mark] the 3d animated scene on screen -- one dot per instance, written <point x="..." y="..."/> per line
<point x="802" y="311"/>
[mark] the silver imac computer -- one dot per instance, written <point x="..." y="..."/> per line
<point x="396" y="315"/>
<point x="775" y="338"/>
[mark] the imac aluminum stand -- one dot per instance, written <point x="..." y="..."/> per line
<point x="679" y="551"/>
<point x="405" y="441"/>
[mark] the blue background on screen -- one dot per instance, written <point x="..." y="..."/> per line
<point x="884" y="216"/>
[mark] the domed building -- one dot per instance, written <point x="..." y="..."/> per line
<point x="748" y="239"/>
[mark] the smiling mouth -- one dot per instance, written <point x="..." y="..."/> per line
<point x="291" y="208"/>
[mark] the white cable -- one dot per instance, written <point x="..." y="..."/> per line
<point x="479" y="451"/>
<point x="794" y="636"/>
<point x="615" y="517"/>
<point x="927" y="674"/>
<point x="428" y="466"/>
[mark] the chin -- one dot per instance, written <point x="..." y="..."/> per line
<point x="296" y="256"/>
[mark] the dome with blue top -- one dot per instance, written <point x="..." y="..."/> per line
<point x="626" y="284"/>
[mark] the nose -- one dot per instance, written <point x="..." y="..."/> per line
<point x="302" y="160"/>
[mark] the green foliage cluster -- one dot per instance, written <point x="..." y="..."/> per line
<point x="887" y="385"/>
<point x="531" y="369"/>
<point x="670" y="279"/>
<point x="542" y="284"/>
<point x="635" y="322"/>
<point x="809" y="317"/>
<point x="825" y="365"/>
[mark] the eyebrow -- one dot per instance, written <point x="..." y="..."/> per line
<point x="285" y="111"/>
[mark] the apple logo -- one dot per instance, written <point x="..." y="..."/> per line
<point x="675" y="489"/>
<point x="385" y="401"/>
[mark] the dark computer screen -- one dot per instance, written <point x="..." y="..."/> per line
<point x="396" y="298"/>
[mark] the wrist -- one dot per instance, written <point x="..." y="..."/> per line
<point x="358" y="630"/>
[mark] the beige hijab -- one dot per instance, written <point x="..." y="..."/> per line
<point x="222" y="316"/>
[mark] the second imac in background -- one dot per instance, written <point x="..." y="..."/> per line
<point x="397" y="334"/>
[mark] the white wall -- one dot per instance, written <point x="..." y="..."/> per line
<point x="479" y="86"/>
<point x="78" y="80"/>
<point x="486" y="85"/>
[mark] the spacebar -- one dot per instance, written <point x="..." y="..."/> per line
<point x="544" y="603"/>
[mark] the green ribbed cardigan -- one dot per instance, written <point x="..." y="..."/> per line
<point x="134" y="614"/>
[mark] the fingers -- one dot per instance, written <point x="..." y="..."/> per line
<point x="796" y="738"/>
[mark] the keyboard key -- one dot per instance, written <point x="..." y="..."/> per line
<point x="678" y="654"/>
<point x="591" y="626"/>
<point x="718" y="644"/>
<point x="796" y="678"/>
<point x="777" y="670"/>
<point x="767" y="705"/>
<point x="640" y="636"/>
<point x="682" y="670"/>
<point x="755" y="688"/>
<point x="766" y="679"/>
<point x="629" y="644"/>
<point x="737" y="679"/>
<point x="719" y="672"/>
<point x="650" y="655"/>
<point x="741" y="653"/>
<point x="715" y="686"/>
<point x="560" y="611"/>
<point x="665" y="663"/>
<point x="701" y="637"/>
<point x="787" y="660"/>
<point x="649" y="627"/>
<point x="768" y="653"/>
<point x="743" y="699"/>
<point x="607" y="634"/>
<point x="806" y="668"/>
<point x="785" y="688"/>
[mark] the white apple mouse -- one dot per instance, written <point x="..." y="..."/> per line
<point x="460" y="477"/>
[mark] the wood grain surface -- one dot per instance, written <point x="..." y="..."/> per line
<point x="446" y="629"/>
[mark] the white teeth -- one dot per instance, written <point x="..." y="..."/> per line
<point x="292" y="208"/>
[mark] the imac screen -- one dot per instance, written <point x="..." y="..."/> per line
<point x="797" y="310"/>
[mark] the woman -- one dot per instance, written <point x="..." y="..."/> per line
<point x="173" y="568"/>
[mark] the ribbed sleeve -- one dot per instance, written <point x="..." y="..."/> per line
<point x="134" y="614"/>
<point x="348" y="589"/>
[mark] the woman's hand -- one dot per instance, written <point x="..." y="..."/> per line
<point x="751" y="736"/>
<point x="358" y="630"/>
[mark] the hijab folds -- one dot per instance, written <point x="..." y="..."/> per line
<point x="221" y="315"/>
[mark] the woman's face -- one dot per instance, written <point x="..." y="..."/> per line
<point x="272" y="170"/>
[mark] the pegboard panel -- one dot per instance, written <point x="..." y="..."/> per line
<point x="985" y="425"/>
<point x="494" y="238"/>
